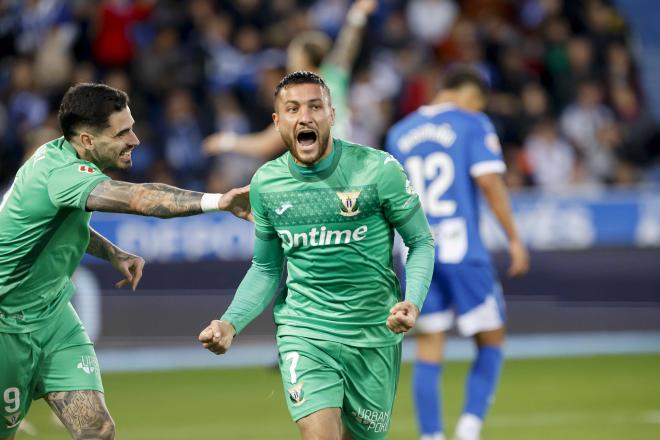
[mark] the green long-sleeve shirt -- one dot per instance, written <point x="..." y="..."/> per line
<point x="334" y="222"/>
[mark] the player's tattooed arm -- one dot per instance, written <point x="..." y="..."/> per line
<point x="101" y="247"/>
<point x="83" y="413"/>
<point x="127" y="264"/>
<point x="150" y="199"/>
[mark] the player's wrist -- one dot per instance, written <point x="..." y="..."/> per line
<point x="230" y="325"/>
<point x="416" y="309"/>
<point x="516" y="242"/>
<point x="227" y="142"/>
<point x="210" y="202"/>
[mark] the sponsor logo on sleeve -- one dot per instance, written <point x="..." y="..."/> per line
<point x="493" y="143"/>
<point x="410" y="189"/>
<point x="86" y="169"/>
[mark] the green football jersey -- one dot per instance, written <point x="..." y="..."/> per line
<point x="335" y="222"/>
<point x="44" y="232"/>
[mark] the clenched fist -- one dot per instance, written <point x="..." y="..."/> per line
<point x="217" y="336"/>
<point x="403" y="316"/>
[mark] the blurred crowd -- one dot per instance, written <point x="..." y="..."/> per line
<point x="566" y="98"/>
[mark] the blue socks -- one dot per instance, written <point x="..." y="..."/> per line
<point x="480" y="389"/>
<point x="482" y="381"/>
<point x="426" y="395"/>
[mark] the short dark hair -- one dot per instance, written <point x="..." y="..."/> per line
<point x="90" y="105"/>
<point x="301" y="77"/>
<point x="458" y="77"/>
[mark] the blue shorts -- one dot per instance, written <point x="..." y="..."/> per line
<point x="467" y="293"/>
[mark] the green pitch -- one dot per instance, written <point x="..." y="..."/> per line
<point x="600" y="398"/>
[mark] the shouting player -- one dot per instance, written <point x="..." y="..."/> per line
<point x="451" y="151"/>
<point x="44" y="232"/>
<point x="331" y="207"/>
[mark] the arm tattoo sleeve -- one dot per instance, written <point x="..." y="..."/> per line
<point x="150" y="199"/>
<point x="83" y="413"/>
<point x="99" y="246"/>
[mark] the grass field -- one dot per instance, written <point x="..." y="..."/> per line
<point x="600" y="398"/>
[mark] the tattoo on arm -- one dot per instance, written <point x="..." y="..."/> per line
<point x="83" y="413"/>
<point x="100" y="247"/>
<point x="150" y="199"/>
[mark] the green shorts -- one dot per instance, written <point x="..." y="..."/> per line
<point x="361" y="381"/>
<point x="57" y="357"/>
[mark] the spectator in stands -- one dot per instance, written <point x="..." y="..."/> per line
<point x="534" y="106"/>
<point x="580" y="57"/>
<point x="639" y="132"/>
<point x="581" y="121"/>
<point x="28" y="109"/>
<point x="182" y="135"/>
<point x="231" y="48"/>
<point x="551" y="160"/>
<point x="113" y="45"/>
<point x="310" y="51"/>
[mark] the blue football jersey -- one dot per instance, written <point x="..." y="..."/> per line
<point x="443" y="148"/>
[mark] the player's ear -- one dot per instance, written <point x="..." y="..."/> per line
<point x="86" y="140"/>
<point x="276" y="121"/>
<point x="332" y="117"/>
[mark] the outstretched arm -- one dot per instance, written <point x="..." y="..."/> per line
<point x="494" y="190"/>
<point x="348" y="42"/>
<point x="263" y="144"/>
<point x="165" y="201"/>
<point x="128" y="264"/>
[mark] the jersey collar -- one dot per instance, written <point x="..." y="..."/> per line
<point x="319" y="171"/>
<point x="66" y="146"/>
<point x="432" y="110"/>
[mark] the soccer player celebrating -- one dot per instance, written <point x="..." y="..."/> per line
<point x="330" y="207"/>
<point x="449" y="151"/>
<point x="44" y="232"/>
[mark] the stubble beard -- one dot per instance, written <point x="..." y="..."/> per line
<point x="323" y="147"/>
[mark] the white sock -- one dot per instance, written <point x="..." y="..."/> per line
<point x="468" y="427"/>
<point x="436" y="436"/>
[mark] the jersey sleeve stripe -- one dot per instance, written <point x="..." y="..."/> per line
<point x="266" y="236"/>
<point x="487" y="167"/>
<point x="408" y="216"/>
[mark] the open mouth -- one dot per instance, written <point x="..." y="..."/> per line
<point x="126" y="153"/>
<point x="306" y="138"/>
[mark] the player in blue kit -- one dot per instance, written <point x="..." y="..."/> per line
<point x="450" y="152"/>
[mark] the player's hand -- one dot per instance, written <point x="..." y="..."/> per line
<point x="403" y="316"/>
<point x="218" y="143"/>
<point x="237" y="201"/>
<point x="218" y="336"/>
<point x="130" y="266"/>
<point x="519" y="256"/>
